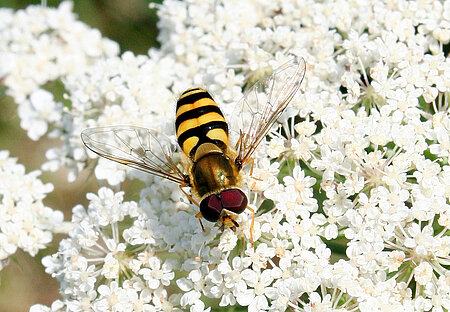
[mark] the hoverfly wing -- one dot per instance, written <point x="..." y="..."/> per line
<point x="136" y="147"/>
<point x="263" y="103"/>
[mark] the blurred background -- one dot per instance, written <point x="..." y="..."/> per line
<point x="133" y="26"/>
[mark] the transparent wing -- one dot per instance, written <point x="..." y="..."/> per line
<point x="263" y="103"/>
<point x="135" y="147"/>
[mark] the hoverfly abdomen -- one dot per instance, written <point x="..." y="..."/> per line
<point x="199" y="121"/>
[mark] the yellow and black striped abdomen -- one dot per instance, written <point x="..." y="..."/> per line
<point x="199" y="121"/>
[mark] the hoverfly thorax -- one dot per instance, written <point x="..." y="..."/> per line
<point x="214" y="173"/>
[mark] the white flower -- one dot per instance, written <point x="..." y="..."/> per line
<point x="107" y="170"/>
<point x="255" y="297"/>
<point x="109" y="296"/>
<point x="320" y="304"/>
<point x="228" y="241"/>
<point x="107" y="207"/>
<point x="261" y="255"/>
<point x="37" y="112"/>
<point x="156" y="274"/>
<point x="232" y="275"/>
<point x="302" y="147"/>
<point x="423" y="273"/>
<point x="275" y="147"/>
<point x="302" y="185"/>
<point x="419" y="239"/>
<point x="199" y="306"/>
<point x="111" y="267"/>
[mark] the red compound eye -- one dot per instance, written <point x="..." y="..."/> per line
<point x="233" y="200"/>
<point x="211" y="207"/>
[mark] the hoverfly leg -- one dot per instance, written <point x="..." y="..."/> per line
<point x="199" y="216"/>
<point x="235" y="224"/>
<point x="238" y="145"/>
<point x="252" y="161"/>
<point x="189" y="196"/>
<point x="252" y="225"/>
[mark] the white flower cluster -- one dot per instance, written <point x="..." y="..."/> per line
<point x="25" y="222"/>
<point x="357" y="169"/>
<point x="107" y="263"/>
<point x="39" y="46"/>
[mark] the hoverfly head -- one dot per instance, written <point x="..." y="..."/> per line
<point x="233" y="200"/>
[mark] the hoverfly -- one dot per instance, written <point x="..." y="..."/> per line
<point x="213" y="167"/>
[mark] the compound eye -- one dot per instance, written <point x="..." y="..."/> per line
<point x="233" y="200"/>
<point x="211" y="207"/>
